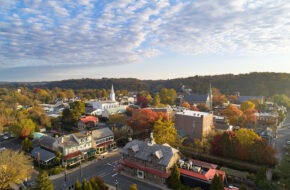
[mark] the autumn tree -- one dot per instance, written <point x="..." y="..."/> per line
<point x="185" y="105"/>
<point x="216" y="183"/>
<point x="281" y="99"/>
<point x="217" y="97"/>
<point x="164" y="132"/>
<point x="156" y="100"/>
<point x="70" y="116"/>
<point x="13" y="170"/>
<point x="143" y="99"/>
<point x="144" y="119"/>
<point x="167" y="96"/>
<point x="233" y="115"/>
<point x="26" y="144"/>
<point x="43" y="181"/>
<point x="203" y="107"/>
<point x="78" y="185"/>
<point x="174" y="179"/>
<point x="243" y="144"/>
<point x="133" y="187"/>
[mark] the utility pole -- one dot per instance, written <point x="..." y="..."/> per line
<point x="64" y="176"/>
<point x="81" y="172"/>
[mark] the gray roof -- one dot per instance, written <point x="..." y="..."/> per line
<point x="48" y="142"/>
<point x="242" y="99"/>
<point x="44" y="155"/>
<point x="102" y="132"/>
<point x="191" y="98"/>
<point x="143" y="151"/>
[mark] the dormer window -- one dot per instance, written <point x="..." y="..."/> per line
<point x="135" y="148"/>
<point x="158" y="154"/>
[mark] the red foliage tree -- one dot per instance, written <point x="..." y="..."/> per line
<point x="143" y="119"/>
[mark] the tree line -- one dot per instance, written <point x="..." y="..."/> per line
<point x="264" y="83"/>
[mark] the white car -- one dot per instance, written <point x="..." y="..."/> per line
<point x="5" y="137"/>
<point x="288" y="142"/>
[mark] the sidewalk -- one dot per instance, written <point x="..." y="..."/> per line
<point x="163" y="187"/>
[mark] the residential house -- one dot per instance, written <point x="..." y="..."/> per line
<point x="75" y="147"/>
<point x="103" y="139"/>
<point x="87" y="122"/>
<point x="42" y="156"/>
<point x="195" y="124"/>
<point x="147" y="160"/>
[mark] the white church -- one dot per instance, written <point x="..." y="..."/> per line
<point x="100" y="106"/>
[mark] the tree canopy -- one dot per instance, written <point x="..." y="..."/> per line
<point x="164" y="132"/>
<point x="13" y="170"/>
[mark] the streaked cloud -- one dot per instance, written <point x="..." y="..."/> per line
<point x="91" y="32"/>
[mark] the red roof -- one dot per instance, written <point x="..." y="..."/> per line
<point x="89" y="119"/>
<point x="72" y="155"/>
<point x="105" y="143"/>
<point x="207" y="176"/>
<point x="144" y="168"/>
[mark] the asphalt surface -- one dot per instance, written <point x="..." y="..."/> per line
<point x="103" y="168"/>
<point x="283" y="135"/>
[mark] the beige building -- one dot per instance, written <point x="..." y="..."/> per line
<point x="195" y="124"/>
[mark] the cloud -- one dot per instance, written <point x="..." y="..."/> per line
<point x="108" y="33"/>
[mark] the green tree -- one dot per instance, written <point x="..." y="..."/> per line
<point x="167" y="96"/>
<point x="78" y="185"/>
<point x="282" y="100"/>
<point x="164" y="131"/>
<point x="216" y="183"/>
<point x="94" y="184"/>
<point x="174" y="179"/>
<point x="26" y="144"/>
<point x="133" y="187"/>
<point x="43" y="181"/>
<point x="14" y="167"/>
<point x="156" y="100"/>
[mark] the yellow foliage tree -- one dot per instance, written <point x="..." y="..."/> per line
<point x="164" y="132"/>
<point x="14" y="167"/>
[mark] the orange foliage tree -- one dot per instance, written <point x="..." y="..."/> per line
<point x="185" y="104"/>
<point x="233" y="115"/>
<point x="144" y="119"/>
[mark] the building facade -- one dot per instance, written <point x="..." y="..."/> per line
<point x="194" y="123"/>
<point x="149" y="161"/>
<point x="103" y="139"/>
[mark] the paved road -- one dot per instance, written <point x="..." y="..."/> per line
<point x="103" y="168"/>
<point x="283" y="134"/>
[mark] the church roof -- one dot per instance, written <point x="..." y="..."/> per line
<point x="195" y="98"/>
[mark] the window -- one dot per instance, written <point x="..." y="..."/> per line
<point x="140" y="174"/>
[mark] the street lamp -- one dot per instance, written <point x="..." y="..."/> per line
<point x="116" y="183"/>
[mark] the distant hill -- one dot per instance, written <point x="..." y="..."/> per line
<point x="266" y="84"/>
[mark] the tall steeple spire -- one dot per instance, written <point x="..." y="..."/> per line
<point x="210" y="96"/>
<point x="112" y="94"/>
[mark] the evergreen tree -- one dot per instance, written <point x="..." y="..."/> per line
<point x="216" y="183"/>
<point x="94" y="184"/>
<point x="78" y="185"/>
<point x="43" y="181"/>
<point x="174" y="179"/>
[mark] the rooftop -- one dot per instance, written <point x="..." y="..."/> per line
<point x="192" y="113"/>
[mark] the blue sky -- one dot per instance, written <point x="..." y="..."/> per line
<point x="47" y="40"/>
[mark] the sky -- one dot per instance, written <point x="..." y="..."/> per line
<point x="50" y="40"/>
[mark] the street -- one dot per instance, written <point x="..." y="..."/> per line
<point x="103" y="168"/>
<point x="283" y="134"/>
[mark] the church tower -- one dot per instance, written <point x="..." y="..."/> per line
<point x="210" y="97"/>
<point x="112" y="94"/>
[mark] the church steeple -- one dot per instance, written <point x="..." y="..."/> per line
<point x="210" y="97"/>
<point x="112" y="94"/>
